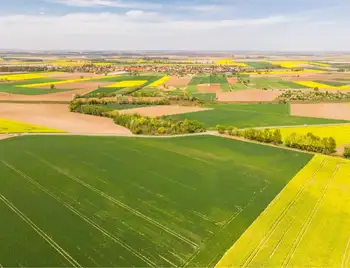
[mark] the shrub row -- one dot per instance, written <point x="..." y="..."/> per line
<point x="311" y="143"/>
<point x="264" y="135"/>
<point x="140" y="124"/>
<point x="118" y="100"/>
<point x="308" y="142"/>
<point x="302" y="95"/>
<point x="347" y="152"/>
<point x="158" y="126"/>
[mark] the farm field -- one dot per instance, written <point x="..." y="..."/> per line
<point x="124" y="83"/>
<point x="12" y="87"/>
<point x="78" y="206"/>
<point x="208" y="80"/>
<point x="10" y="126"/>
<point x="305" y="225"/>
<point x="266" y="82"/>
<point x="312" y="84"/>
<point x="253" y="115"/>
<point x="341" y="133"/>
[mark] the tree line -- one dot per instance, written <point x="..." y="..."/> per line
<point x="308" y="142"/>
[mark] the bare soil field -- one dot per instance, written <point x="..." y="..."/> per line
<point x="68" y="76"/>
<point x="162" y="110"/>
<point x="58" y="116"/>
<point x="178" y="81"/>
<point x="209" y="88"/>
<point x="58" y="96"/>
<point x="322" y="110"/>
<point x="318" y="77"/>
<point x="248" y="95"/>
<point x="80" y="85"/>
<point x="232" y="81"/>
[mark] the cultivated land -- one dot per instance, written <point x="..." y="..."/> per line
<point x="157" y="202"/>
<point x="304" y="225"/>
<point x="253" y="115"/>
<point x="10" y="126"/>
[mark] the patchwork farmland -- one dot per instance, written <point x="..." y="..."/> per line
<point x="91" y="204"/>
<point x="253" y="115"/>
<point x="186" y="161"/>
<point x="311" y="210"/>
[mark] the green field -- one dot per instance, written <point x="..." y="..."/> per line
<point x="259" y="64"/>
<point x="333" y="83"/>
<point x="306" y="226"/>
<point x="208" y="79"/>
<point x="11" y="87"/>
<point x="252" y="115"/>
<point x="106" y="201"/>
<point x="266" y="82"/>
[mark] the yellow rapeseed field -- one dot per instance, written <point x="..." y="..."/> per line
<point x="282" y="72"/>
<point x="306" y="225"/>
<point x="66" y="81"/>
<point x="312" y="84"/>
<point x="21" y="77"/>
<point x="10" y="126"/>
<point x="297" y="64"/>
<point x="130" y="83"/>
<point x="160" y="81"/>
<point x="230" y="62"/>
<point x="341" y="133"/>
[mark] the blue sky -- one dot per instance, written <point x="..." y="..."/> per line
<point x="280" y="25"/>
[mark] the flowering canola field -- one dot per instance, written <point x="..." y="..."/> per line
<point x="130" y="83"/>
<point x="230" y="62"/>
<point x="21" y="77"/>
<point x="341" y="133"/>
<point x="282" y="72"/>
<point x="297" y="64"/>
<point x="306" y="225"/>
<point x="160" y="81"/>
<point x="10" y="126"/>
<point x="312" y="84"/>
<point x="65" y="81"/>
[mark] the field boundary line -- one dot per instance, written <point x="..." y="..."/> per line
<point x="233" y="217"/>
<point x="119" y="203"/>
<point x="308" y="221"/>
<point x="346" y="252"/>
<point x="281" y="216"/>
<point x="81" y="215"/>
<point x="40" y="232"/>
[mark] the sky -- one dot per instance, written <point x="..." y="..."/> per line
<point x="230" y="25"/>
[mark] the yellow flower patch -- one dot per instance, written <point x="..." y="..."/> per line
<point x="230" y="62"/>
<point x="131" y="83"/>
<point x="160" y="81"/>
<point x="282" y="72"/>
<point x="312" y="84"/>
<point x="21" y="77"/>
<point x="10" y="126"/>
<point x="66" y="81"/>
<point x="341" y="133"/>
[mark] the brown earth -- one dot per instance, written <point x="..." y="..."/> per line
<point x="80" y="85"/>
<point x="317" y="77"/>
<point x="248" y="95"/>
<point x="68" y="76"/>
<point x="339" y="111"/>
<point x="58" y="96"/>
<point x="232" y="81"/>
<point x="178" y="81"/>
<point x="58" y="116"/>
<point x="161" y="110"/>
<point x="209" y="88"/>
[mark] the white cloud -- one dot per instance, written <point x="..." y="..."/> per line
<point x="106" y="3"/>
<point x="137" y="29"/>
